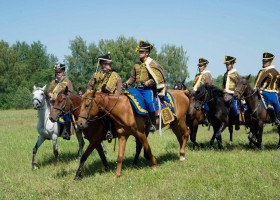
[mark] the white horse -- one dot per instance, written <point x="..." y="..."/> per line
<point x="47" y="129"/>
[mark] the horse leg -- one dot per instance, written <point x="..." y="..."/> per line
<point x="138" y="151"/>
<point x="259" y="137"/>
<point x="278" y="127"/>
<point x="219" y="135"/>
<point x="100" y="150"/>
<point x="40" y="140"/>
<point x="194" y="128"/>
<point x="182" y="133"/>
<point x="122" y="143"/>
<point x="81" y="142"/>
<point x="55" y="148"/>
<point x="84" y="157"/>
<point x="230" y="129"/>
<point x="145" y="154"/>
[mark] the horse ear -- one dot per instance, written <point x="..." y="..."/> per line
<point x="248" y="77"/>
<point x="44" y="87"/>
<point x="34" y="87"/>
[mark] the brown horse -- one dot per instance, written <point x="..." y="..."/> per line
<point x="127" y="122"/>
<point x="67" y="102"/>
<point x="259" y="116"/>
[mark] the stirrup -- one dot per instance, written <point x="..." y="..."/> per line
<point x="153" y="128"/>
<point x="109" y="136"/>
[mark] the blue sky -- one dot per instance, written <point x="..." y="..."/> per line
<point x="208" y="29"/>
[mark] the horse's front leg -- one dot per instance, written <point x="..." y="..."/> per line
<point x="138" y="151"/>
<point x="259" y="137"/>
<point x="81" y="142"/>
<point x="55" y="148"/>
<point x="100" y="149"/>
<point x="40" y="140"/>
<point x="230" y="129"/>
<point x="122" y="144"/>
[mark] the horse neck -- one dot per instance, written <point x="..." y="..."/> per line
<point x="252" y="101"/>
<point x="75" y="102"/>
<point x="43" y="113"/>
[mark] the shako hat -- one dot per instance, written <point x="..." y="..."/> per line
<point x="144" y="46"/>
<point x="202" y="61"/>
<point x="58" y="67"/>
<point x="105" y="58"/>
<point x="229" y="60"/>
<point x="268" y="56"/>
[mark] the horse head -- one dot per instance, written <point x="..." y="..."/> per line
<point x="89" y="108"/>
<point x="242" y="88"/>
<point x="200" y="97"/>
<point x="179" y="85"/>
<point x="39" y="97"/>
<point x="61" y="105"/>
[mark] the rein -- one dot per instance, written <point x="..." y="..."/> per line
<point x="107" y="112"/>
<point x="62" y="111"/>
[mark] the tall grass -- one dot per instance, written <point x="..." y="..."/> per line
<point x="237" y="172"/>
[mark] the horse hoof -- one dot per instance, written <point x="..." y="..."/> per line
<point x="77" y="178"/>
<point x="182" y="159"/>
<point x="35" y="166"/>
<point x="230" y="143"/>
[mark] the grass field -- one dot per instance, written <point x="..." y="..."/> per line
<point x="234" y="173"/>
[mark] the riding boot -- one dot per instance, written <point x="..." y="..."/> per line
<point x="277" y="120"/>
<point x="109" y="135"/>
<point x="67" y="130"/>
<point x="205" y="120"/>
<point x="153" y="121"/>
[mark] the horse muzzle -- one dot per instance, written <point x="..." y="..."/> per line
<point x="82" y="123"/>
<point x="54" y="118"/>
<point x="197" y="106"/>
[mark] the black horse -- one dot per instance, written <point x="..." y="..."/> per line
<point x="218" y="110"/>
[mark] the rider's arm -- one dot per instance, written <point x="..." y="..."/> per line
<point x="132" y="77"/>
<point x="91" y="82"/>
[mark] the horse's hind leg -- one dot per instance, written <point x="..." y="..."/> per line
<point x="100" y="150"/>
<point x="182" y="133"/>
<point x="230" y="129"/>
<point x="122" y="144"/>
<point x="55" y="148"/>
<point x="84" y="157"/>
<point x="40" y="140"/>
<point x="138" y="151"/>
<point x="81" y="142"/>
<point x="194" y="128"/>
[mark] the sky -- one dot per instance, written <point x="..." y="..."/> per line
<point x="204" y="28"/>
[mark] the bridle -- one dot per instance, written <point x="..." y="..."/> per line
<point x="41" y="107"/>
<point x="91" y="105"/>
<point x="62" y="111"/>
<point x="204" y="101"/>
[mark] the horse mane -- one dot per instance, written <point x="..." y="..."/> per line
<point x="47" y="100"/>
<point x="214" y="91"/>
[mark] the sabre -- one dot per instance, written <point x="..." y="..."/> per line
<point x="159" y="114"/>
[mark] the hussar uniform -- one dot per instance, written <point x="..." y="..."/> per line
<point x="267" y="81"/>
<point x="55" y="87"/>
<point x="203" y="77"/>
<point x="230" y="81"/>
<point x="151" y="72"/>
<point x="107" y="81"/>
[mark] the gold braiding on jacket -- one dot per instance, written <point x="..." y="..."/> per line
<point x="142" y="74"/>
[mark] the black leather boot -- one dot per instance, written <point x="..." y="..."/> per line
<point x="153" y="121"/>
<point x="67" y="131"/>
<point x="109" y="135"/>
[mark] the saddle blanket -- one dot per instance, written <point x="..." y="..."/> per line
<point x="137" y="101"/>
<point x="266" y="103"/>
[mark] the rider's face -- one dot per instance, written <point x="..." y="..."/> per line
<point x="143" y="54"/>
<point x="106" y="66"/>
<point x="266" y="63"/>
<point x="201" y="68"/>
<point x="59" y="74"/>
<point x="229" y="66"/>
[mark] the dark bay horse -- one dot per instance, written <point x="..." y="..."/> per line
<point x="127" y="122"/>
<point x="218" y="111"/>
<point x="67" y="102"/>
<point x="195" y="117"/>
<point x="259" y="116"/>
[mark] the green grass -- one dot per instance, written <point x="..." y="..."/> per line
<point x="234" y="173"/>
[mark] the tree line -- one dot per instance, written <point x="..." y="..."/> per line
<point x="23" y="65"/>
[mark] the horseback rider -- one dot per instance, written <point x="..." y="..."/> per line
<point x="230" y="80"/>
<point x="203" y="77"/>
<point x="267" y="82"/>
<point x="60" y="82"/>
<point x="147" y="75"/>
<point x="106" y="80"/>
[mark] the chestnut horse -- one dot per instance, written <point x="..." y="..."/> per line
<point x="259" y="116"/>
<point x="127" y="122"/>
<point x="67" y="102"/>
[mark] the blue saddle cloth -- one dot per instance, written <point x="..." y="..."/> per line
<point x="137" y="101"/>
<point x="266" y="103"/>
